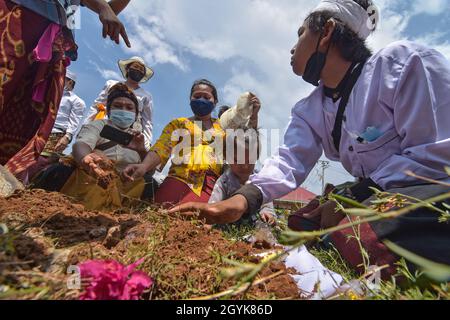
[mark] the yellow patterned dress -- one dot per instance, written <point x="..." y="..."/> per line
<point x="194" y="153"/>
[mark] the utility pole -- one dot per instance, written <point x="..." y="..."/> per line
<point x="324" y="165"/>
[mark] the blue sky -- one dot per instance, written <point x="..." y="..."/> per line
<point x="240" y="45"/>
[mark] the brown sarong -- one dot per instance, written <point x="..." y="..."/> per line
<point x="25" y="124"/>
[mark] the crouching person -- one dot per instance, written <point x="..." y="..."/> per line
<point x="241" y="165"/>
<point x="99" y="161"/>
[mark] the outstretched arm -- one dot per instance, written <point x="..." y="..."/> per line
<point x="118" y="5"/>
<point x="225" y="212"/>
<point x="136" y="171"/>
<point x="79" y="151"/>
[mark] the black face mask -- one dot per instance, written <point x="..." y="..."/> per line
<point x="315" y="65"/>
<point x="135" y="75"/>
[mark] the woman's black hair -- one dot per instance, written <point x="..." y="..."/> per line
<point x="223" y="109"/>
<point x="351" y="46"/>
<point x="121" y="90"/>
<point x="73" y="83"/>
<point x="206" y="83"/>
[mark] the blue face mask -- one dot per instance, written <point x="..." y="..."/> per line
<point x="123" y="119"/>
<point x="202" y="107"/>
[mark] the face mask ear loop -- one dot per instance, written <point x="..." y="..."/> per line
<point x="318" y="42"/>
<point x="329" y="46"/>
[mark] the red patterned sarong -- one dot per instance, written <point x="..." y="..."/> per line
<point x="25" y="124"/>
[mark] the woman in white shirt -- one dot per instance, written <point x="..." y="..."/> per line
<point x="136" y="72"/>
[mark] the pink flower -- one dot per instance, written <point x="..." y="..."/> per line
<point x="110" y="280"/>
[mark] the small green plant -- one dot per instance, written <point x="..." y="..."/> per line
<point x="385" y="206"/>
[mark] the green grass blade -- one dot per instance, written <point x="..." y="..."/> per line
<point x="436" y="271"/>
<point x="349" y="202"/>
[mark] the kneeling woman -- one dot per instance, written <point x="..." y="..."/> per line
<point x="100" y="162"/>
<point x="193" y="174"/>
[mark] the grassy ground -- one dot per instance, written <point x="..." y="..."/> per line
<point x="415" y="285"/>
<point x="47" y="233"/>
<point x="169" y="245"/>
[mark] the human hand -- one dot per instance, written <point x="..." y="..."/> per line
<point x="224" y="212"/>
<point x="62" y="144"/>
<point x="134" y="172"/>
<point x="268" y="218"/>
<point x="93" y="164"/>
<point x="112" y="26"/>
<point x="138" y="143"/>
<point x="256" y="104"/>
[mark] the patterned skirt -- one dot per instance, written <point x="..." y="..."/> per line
<point x="25" y="124"/>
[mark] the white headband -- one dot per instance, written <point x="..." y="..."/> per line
<point x="350" y="13"/>
<point x="72" y="76"/>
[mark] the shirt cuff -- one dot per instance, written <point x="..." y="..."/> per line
<point x="254" y="197"/>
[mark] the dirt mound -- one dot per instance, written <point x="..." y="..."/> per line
<point x="58" y="217"/>
<point x="48" y="232"/>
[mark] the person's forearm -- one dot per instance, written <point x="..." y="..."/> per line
<point x="79" y="151"/>
<point x="253" y="123"/>
<point x="151" y="161"/>
<point x="228" y="211"/>
<point x="118" y="5"/>
<point x="96" y="5"/>
<point x="142" y="154"/>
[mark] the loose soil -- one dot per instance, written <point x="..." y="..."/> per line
<point x="48" y="232"/>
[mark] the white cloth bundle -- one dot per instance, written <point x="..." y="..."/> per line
<point x="8" y="183"/>
<point x="314" y="281"/>
<point x="352" y="14"/>
<point x="238" y="117"/>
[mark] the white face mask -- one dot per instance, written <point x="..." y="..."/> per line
<point x="123" y="119"/>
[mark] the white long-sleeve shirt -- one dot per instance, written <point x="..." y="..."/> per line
<point x="403" y="92"/>
<point x="145" y="119"/>
<point x="70" y="113"/>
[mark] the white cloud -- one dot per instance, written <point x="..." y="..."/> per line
<point x="106" y="74"/>
<point x="391" y="26"/>
<point x="432" y="7"/>
<point x="148" y="40"/>
<point x="257" y="34"/>
<point x="434" y="40"/>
